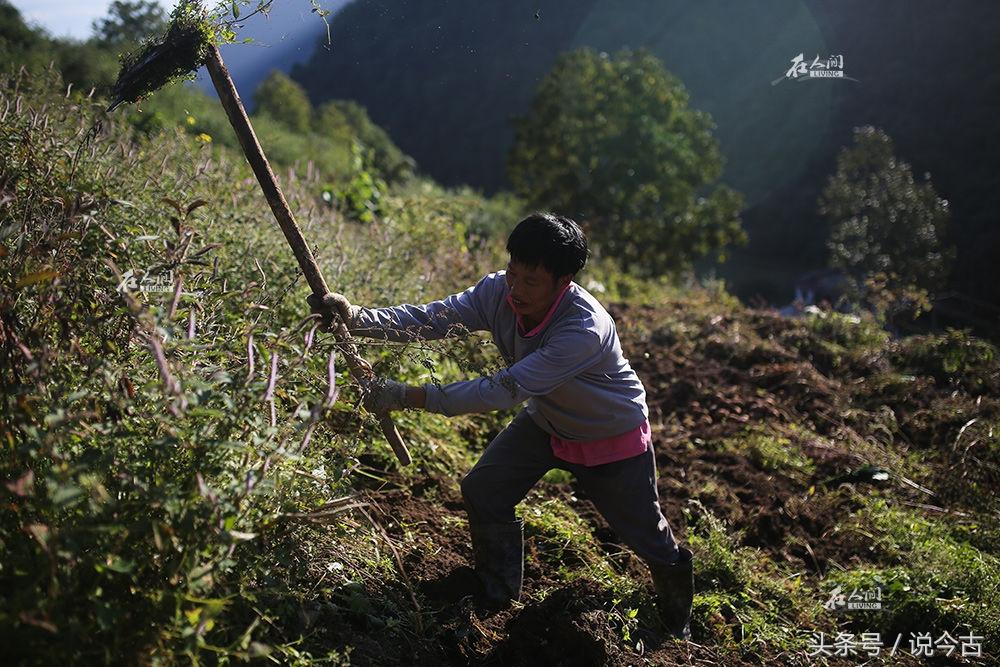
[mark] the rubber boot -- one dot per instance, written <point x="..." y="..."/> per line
<point x="674" y="586"/>
<point x="498" y="550"/>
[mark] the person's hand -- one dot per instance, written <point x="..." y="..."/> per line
<point x="333" y="304"/>
<point x="382" y="395"/>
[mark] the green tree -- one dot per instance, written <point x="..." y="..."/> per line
<point x="17" y="39"/>
<point x="85" y="64"/>
<point x="613" y="142"/>
<point x="282" y="99"/>
<point x="128" y="22"/>
<point x="885" y="227"/>
<point x="346" y="120"/>
<point x="81" y="63"/>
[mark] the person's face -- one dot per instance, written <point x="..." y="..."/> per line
<point x="533" y="289"/>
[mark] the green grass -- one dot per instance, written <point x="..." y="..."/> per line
<point x="769" y="450"/>
<point x="954" y="358"/>
<point x="563" y="538"/>
<point x="933" y="580"/>
<point x="849" y="333"/>
<point x="743" y="601"/>
<point x="566" y="546"/>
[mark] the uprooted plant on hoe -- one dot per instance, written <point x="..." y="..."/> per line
<point x="188" y="476"/>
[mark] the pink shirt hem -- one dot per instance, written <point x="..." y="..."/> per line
<point x="608" y="450"/>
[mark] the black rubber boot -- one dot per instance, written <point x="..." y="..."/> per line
<point x="674" y="586"/>
<point x="498" y="549"/>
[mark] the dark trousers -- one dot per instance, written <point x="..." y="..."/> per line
<point x="624" y="492"/>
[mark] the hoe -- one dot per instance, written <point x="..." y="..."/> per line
<point x="184" y="47"/>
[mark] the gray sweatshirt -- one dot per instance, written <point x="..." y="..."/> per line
<point x="577" y="382"/>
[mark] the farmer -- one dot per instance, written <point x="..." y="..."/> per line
<point x="585" y="413"/>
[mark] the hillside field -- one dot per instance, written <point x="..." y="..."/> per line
<point x="178" y="488"/>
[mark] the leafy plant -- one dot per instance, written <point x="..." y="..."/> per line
<point x="360" y="199"/>
<point x="886" y="227"/>
<point x="626" y="620"/>
<point x="931" y="581"/>
<point x="612" y="140"/>
<point x="954" y="357"/>
<point x="284" y="100"/>
<point x="154" y="439"/>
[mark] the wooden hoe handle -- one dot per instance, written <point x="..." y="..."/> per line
<point x="230" y="99"/>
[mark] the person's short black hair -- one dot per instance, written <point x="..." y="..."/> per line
<point x="554" y="241"/>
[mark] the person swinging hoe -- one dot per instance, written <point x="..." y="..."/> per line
<point x="585" y="407"/>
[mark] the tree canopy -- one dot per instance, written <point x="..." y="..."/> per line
<point x="612" y="141"/>
<point x="284" y="100"/>
<point x="883" y="220"/>
<point x="17" y="39"/>
<point x="347" y="118"/>
<point x="84" y="64"/>
<point x="129" y="22"/>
